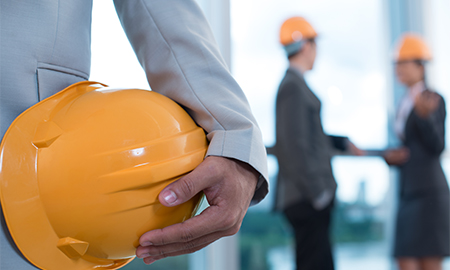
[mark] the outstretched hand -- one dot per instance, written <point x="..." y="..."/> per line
<point x="396" y="156"/>
<point x="354" y="150"/>
<point x="228" y="185"/>
<point x="426" y="103"/>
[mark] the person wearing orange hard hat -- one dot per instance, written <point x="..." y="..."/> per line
<point x="46" y="46"/>
<point x="295" y="33"/>
<point x="305" y="186"/>
<point x="422" y="235"/>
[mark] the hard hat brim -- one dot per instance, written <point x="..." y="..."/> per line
<point x="19" y="190"/>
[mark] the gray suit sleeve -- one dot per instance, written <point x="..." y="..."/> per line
<point x="177" y="50"/>
<point x="299" y="125"/>
<point x="432" y="128"/>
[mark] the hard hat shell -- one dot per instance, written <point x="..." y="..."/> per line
<point x="412" y="47"/>
<point x="81" y="172"/>
<point x="296" y="29"/>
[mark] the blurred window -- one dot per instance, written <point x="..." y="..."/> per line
<point x="439" y="68"/>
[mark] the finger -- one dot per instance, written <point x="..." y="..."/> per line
<point x="209" y="221"/>
<point x="149" y="260"/>
<point x="152" y="259"/>
<point x="188" y="186"/>
<point x="176" y="249"/>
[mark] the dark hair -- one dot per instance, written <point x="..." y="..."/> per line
<point x="310" y="40"/>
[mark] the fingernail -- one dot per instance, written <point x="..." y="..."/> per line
<point x="169" y="196"/>
<point x="144" y="255"/>
<point x="146" y="244"/>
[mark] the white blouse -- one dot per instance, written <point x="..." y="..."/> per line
<point x="405" y="108"/>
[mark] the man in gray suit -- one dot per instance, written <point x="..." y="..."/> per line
<point x="305" y="186"/>
<point x="45" y="47"/>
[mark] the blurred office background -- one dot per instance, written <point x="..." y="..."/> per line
<point x="354" y="78"/>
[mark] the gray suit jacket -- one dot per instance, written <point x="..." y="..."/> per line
<point x="302" y="148"/>
<point x="45" y="47"/>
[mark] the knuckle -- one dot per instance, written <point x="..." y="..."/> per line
<point x="213" y="168"/>
<point x="188" y="186"/>
<point x="230" y="220"/>
<point x="187" y="235"/>
<point x="161" y="240"/>
<point x="193" y="249"/>
<point x="151" y="251"/>
<point x="233" y="230"/>
<point x="158" y="253"/>
<point x="231" y="223"/>
<point x="162" y="254"/>
<point x="189" y="246"/>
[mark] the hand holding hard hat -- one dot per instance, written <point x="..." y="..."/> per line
<point x="228" y="185"/>
<point x="81" y="173"/>
<point x="85" y="179"/>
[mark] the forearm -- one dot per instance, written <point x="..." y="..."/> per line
<point x="175" y="46"/>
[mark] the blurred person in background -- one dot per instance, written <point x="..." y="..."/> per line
<point x="306" y="185"/>
<point x="422" y="237"/>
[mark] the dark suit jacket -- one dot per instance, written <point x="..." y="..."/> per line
<point x="302" y="148"/>
<point x="423" y="220"/>
<point x="425" y="139"/>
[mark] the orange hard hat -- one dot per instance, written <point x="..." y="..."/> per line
<point x="81" y="172"/>
<point x="296" y="29"/>
<point x="412" y="47"/>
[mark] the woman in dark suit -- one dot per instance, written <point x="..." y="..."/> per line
<point x="422" y="230"/>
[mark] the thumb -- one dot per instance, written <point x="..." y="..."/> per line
<point x="184" y="188"/>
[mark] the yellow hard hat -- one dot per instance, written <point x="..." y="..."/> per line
<point x="81" y="172"/>
<point x="412" y="47"/>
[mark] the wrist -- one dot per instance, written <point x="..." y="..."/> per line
<point x="251" y="173"/>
